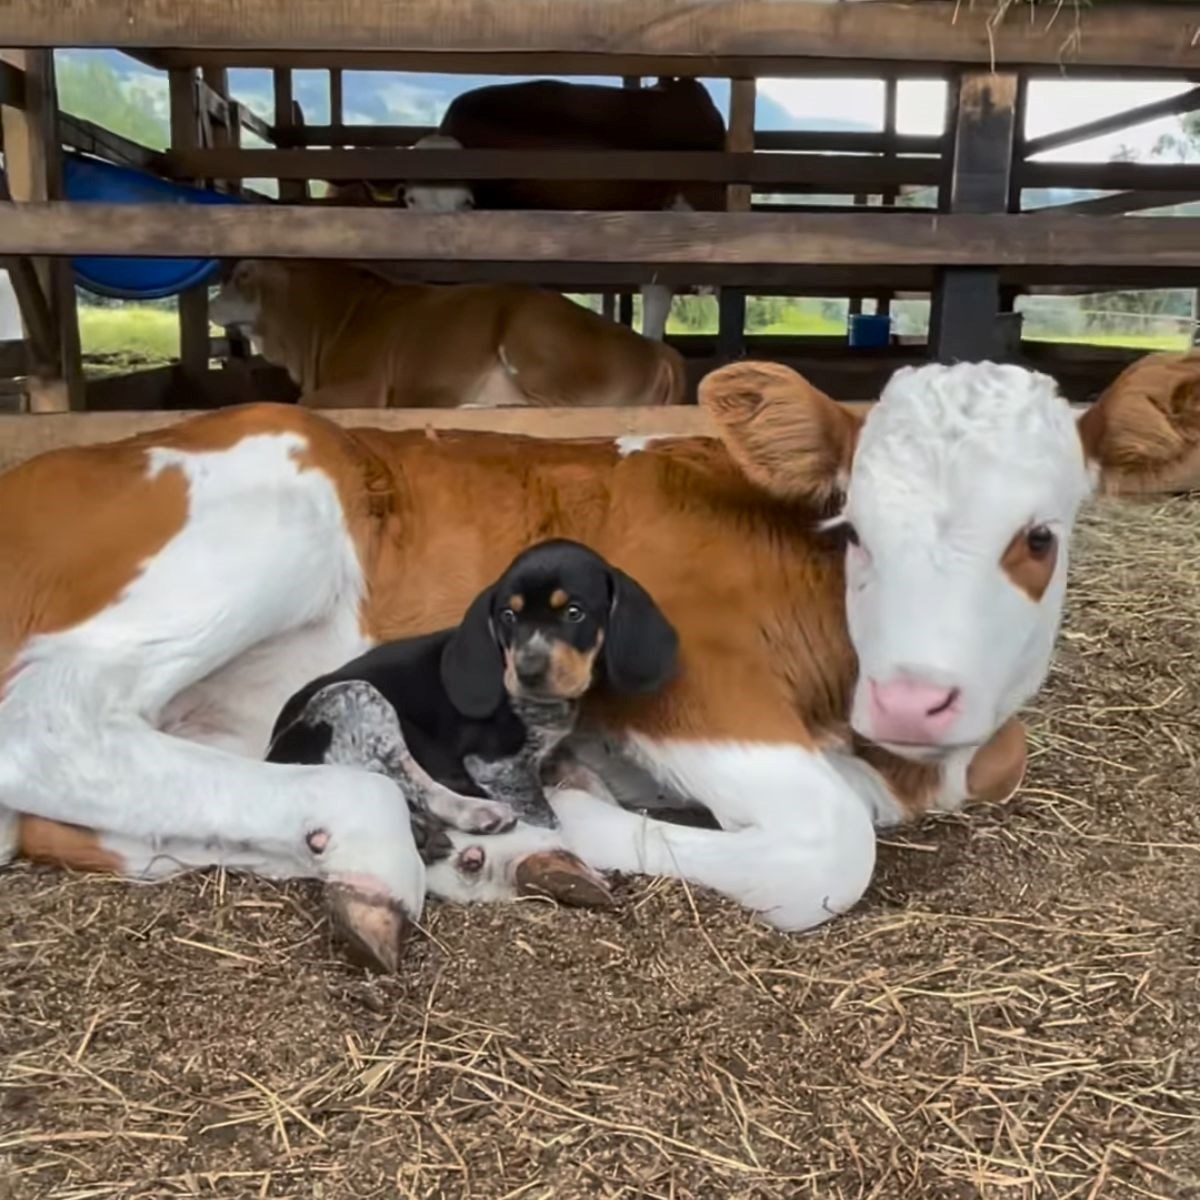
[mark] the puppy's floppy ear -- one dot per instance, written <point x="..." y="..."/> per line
<point x="641" y="646"/>
<point x="472" y="668"/>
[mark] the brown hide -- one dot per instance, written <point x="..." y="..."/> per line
<point x="425" y="346"/>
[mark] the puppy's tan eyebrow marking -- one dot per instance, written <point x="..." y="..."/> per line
<point x="516" y="602"/>
<point x="558" y="598"/>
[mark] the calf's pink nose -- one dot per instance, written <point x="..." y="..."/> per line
<point x="909" y="711"/>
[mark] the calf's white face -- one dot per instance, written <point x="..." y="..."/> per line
<point x="958" y="494"/>
<point x="963" y="490"/>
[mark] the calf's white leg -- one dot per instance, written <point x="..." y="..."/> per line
<point x="263" y="550"/>
<point x="798" y="844"/>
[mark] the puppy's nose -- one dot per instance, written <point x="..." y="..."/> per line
<point x="532" y="665"/>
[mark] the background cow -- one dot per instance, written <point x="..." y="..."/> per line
<point x="545" y="114"/>
<point x="424" y="346"/>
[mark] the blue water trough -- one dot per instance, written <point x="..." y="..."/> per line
<point x="90" y="180"/>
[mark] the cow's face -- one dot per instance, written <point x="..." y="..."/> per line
<point x="963" y="490"/>
<point x="238" y="304"/>
<point x="957" y="496"/>
<point x="437" y="197"/>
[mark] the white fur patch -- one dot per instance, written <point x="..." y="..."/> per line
<point x="263" y="553"/>
<point x="951" y="465"/>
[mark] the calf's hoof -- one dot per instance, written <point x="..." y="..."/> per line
<point x="564" y="877"/>
<point x="372" y="929"/>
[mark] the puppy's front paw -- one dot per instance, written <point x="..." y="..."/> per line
<point x="486" y="816"/>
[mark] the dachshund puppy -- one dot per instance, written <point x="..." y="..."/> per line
<point x="472" y="713"/>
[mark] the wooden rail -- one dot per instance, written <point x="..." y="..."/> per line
<point x="837" y="172"/>
<point x="651" y="238"/>
<point x="1154" y="36"/>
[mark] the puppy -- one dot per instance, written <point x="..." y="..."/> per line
<point x="472" y="713"/>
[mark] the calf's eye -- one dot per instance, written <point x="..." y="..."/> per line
<point x="573" y="613"/>
<point x="1040" y="540"/>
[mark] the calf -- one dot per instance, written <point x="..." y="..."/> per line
<point x="862" y="608"/>
<point x="422" y="346"/>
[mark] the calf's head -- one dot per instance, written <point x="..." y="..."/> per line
<point x="956" y="496"/>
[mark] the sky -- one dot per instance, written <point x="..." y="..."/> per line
<point x="1053" y="104"/>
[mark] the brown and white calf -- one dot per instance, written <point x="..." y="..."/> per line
<point x="547" y="114"/>
<point x="160" y="597"/>
<point x="420" y="346"/>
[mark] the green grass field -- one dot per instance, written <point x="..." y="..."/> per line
<point x="129" y="335"/>
<point x="120" y="338"/>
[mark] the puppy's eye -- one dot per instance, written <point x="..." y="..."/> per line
<point x="573" y="613"/>
<point x="1040" y="540"/>
<point x="508" y="617"/>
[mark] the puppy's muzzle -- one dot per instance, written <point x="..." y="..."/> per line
<point x="531" y="663"/>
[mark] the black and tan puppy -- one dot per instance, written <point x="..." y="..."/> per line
<point x="482" y="706"/>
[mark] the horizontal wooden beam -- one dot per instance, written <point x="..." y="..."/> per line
<point x="598" y="63"/>
<point x="693" y="240"/>
<point x="839" y="172"/>
<point x="1111" y="176"/>
<point x="1151" y="35"/>
<point x="1170" y="106"/>
<point x="847" y="141"/>
<point x="23" y="436"/>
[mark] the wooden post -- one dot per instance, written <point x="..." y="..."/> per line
<point x="883" y="301"/>
<point x="625" y="299"/>
<point x="193" y="304"/>
<point x="291" y="190"/>
<point x="966" y="302"/>
<point x="731" y="303"/>
<point x="33" y="165"/>
<point x="337" y="107"/>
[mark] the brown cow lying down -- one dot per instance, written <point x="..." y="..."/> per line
<point x="1157" y="378"/>
<point x="862" y="608"/>
<point x="423" y="346"/>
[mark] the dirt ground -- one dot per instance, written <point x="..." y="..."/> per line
<point x="1013" y="1011"/>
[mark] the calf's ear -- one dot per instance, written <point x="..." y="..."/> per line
<point x="787" y="436"/>
<point x="1144" y="431"/>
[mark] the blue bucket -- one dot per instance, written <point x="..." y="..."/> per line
<point x="870" y="331"/>
<point x="91" y="180"/>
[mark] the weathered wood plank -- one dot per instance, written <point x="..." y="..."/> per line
<point x="692" y="240"/>
<point x="1114" y="176"/>
<point x="847" y="141"/>
<point x="1127" y="34"/>
<point x="966" y="300"/>
<point x="600" y="63"/>
<point x="90" y="138"/>
<point x="22" y="437"/>
<point x="33" y="168"/>
<point x="828" y="172"/>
